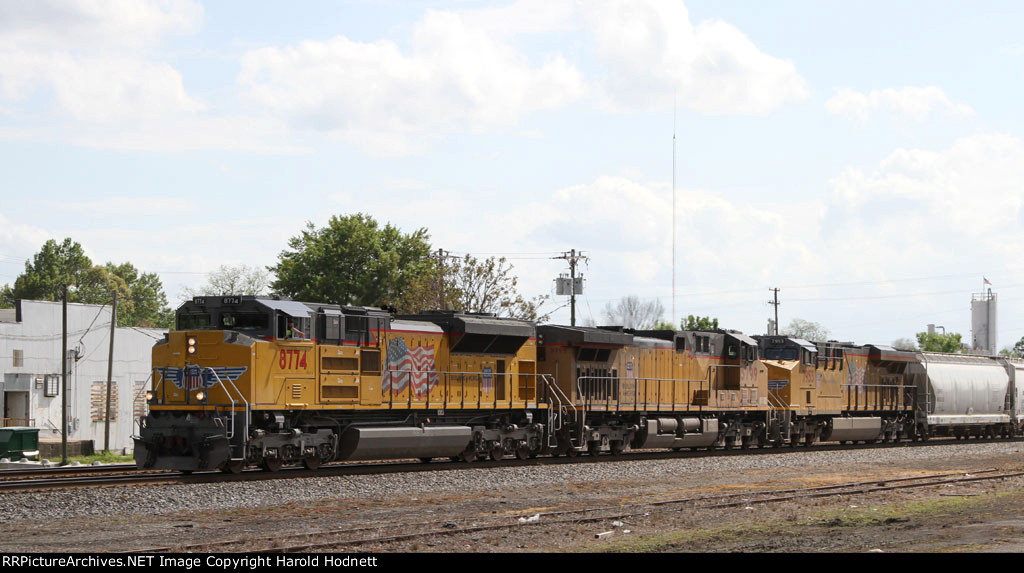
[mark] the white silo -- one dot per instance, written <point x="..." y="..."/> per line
<point x="983" y="321"/>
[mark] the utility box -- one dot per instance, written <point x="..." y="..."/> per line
<point x="17" y="443"/>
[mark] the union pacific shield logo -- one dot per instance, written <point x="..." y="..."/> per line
<point x="193" y="376"/>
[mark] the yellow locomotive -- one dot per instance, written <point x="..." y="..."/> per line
<point x="263" y="381"/>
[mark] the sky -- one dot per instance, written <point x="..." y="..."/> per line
<point x="866" y="158"/>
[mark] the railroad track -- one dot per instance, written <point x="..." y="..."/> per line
<point x="140" y="477"/>
<point x="347" y="538"/>
<point x="35" y="471"/>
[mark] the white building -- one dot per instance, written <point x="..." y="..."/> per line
<point x="30" y="348"/>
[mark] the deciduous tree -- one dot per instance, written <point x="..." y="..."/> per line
<point x="633" y="312"/>
<point x="699" y="323"/>
<point x="141" y="300"/>
<point x="807" y="330"/>
<point x="229" y="279"/>
<point x="352" y="260"/>
<point x="936" y="342"/>
<point x="471" y="285"/>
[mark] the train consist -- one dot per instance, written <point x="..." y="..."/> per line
<point x="267" y="381"/>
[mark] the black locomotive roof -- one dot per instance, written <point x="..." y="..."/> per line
<point x="458" y="322"/>
<point x="882" y="352"/>
<point x="577" y="335"/>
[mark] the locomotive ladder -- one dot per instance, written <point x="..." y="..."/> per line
<point x="774" y="415"/>
<point x="557" y="400"/>
<point x="248" y="410"/>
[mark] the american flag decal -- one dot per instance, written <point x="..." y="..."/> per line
<point x="193" y="377"/>
<point x="417" y="362"/>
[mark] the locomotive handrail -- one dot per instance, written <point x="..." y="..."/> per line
<point x="883" y="395"/>
<point x="564" y="403"/>
<point x="142" y="392"/>
<point x="241" y="396"/>
<point x="587" y="400"/>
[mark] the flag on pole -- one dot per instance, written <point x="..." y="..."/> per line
<point x="986" y="281"/>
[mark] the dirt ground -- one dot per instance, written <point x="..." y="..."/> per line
<point x="983" y="516"/>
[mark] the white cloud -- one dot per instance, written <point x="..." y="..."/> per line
<point x="456" y="74"/>
<point x="973" y="192"/>
<point x="651" y="51"/>
<point x="915" y="104"/>
<point x="470" y="71"/>
<point x="90" y="73"/>
<point x="92" y="56"/>
<point x="63" y="25"/>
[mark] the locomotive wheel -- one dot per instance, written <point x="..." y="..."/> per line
<point x="570" y="452"/>
<point x="311" y="462"/>
<point x="523" y="452"/>
<point x="594" y="448"/>
<point x="616" y="447"/>
<point x="497" y="453"/>
<point x="425" y="460"/>
<point x="233" y="466"/>
<point x="271" y="464"/>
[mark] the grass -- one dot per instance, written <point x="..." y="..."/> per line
<point x="671" y="540"/>
<point x="103" y="457"/>
<point x="853" y="517"/>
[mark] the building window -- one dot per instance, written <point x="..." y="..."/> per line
<point x="52" y="385"/>
<point x="19" y="358"/>
<point x="99" y="401"/>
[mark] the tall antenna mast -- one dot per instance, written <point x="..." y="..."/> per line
<point x="673" y="208"/>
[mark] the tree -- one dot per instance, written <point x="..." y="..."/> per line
<point x="50" y="270"/>
<point x="935" y="342"/>
<point x="232" y="280"/>
<point x="470" y="285"/>
<point x="632" y="312"/>
<point x="905" y="344"/>
<point x="807" y="330"/>
<point x="141" y="300"/>
<point x="1018" y="348"/>
<point x="699" y="323"/>
<point x="351" y="261"/>
<point x="146" y="301"/>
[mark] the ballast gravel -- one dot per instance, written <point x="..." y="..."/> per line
<point x="178" y="499"/>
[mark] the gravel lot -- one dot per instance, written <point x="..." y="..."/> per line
<point x="119" y="518"/>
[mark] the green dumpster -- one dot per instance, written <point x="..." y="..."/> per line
<point x="17" y="443"/>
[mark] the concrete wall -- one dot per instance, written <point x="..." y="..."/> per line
<point x="36" y="340"/>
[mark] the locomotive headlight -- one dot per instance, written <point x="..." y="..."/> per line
<point x="200" y="395"/>
<point x="191" y="344"/>
<point x="149" y="395"/>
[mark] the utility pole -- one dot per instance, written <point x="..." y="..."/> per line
<point x="64" y="381"/>
<point x="440" y="275"/>
<point x="775" y="303"/>
<point x="673" y="208"/>
<point x="110" y="375"/>
<point x="573" y="259"/>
